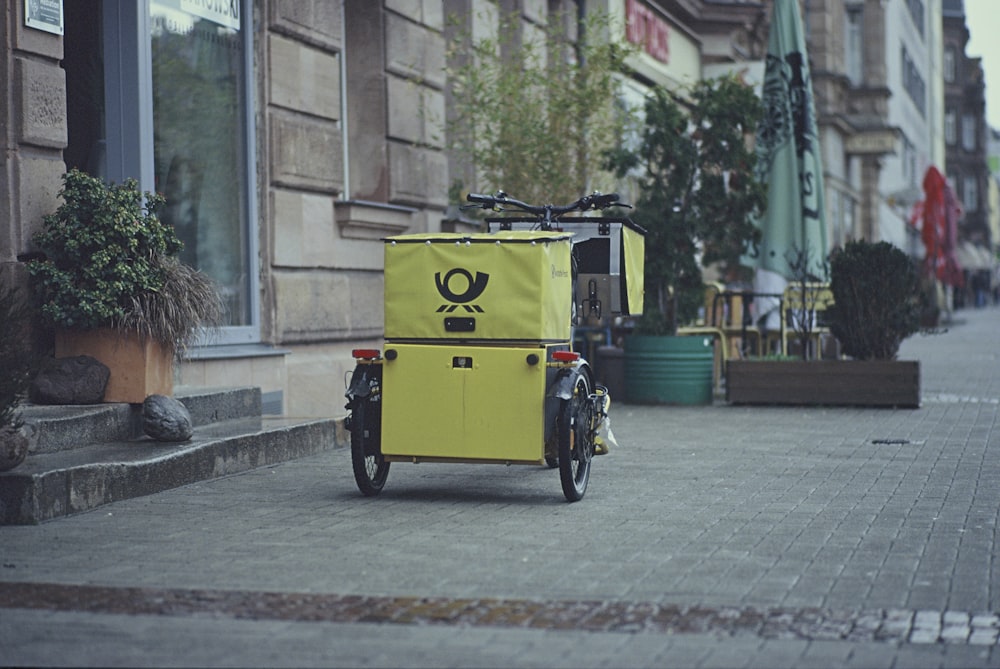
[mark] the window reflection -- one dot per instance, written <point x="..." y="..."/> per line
<point x="198" y="139"/>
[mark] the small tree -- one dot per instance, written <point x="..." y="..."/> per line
<point x="698" y="193"/>
<point x="803" y="309"/>
<point x="534" y="119"/>
<point x="876" y="299"/>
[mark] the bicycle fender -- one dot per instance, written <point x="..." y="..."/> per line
<point x="565" y="381"/>
<point x="361" y="381"/>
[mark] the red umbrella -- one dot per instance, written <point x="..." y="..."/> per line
<point x="939" y="212"/>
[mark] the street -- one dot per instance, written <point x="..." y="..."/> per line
<point x="717" y="536"/>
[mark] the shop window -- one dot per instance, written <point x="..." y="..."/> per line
<point x="172" y="109"/>
<point x="199" y="139"/>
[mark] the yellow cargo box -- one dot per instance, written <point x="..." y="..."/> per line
<point x="508" y="286"/>
<point x="466" y="402"/>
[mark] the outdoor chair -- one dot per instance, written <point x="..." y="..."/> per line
<point x="805" y="307"/>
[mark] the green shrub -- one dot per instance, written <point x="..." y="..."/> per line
<point x="110" y="262"/>
<point x="876" y="299"/>
<point x="100" y="249"/>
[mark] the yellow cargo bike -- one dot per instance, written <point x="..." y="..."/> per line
<point x="478" y="363"/>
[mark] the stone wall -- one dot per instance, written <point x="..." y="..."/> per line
<point x="322" y="260"/>
<point x="352" y="151"/>
<point x="33" y="131"/>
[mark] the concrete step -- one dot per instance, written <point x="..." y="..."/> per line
<point x="95" y="455"/>
<point x="65" y="427"/>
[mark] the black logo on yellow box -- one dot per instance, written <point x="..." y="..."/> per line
<point x="473" y="288"/>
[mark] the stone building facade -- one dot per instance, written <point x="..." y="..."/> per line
<point x="875" y="67"/>
<point x="966" y="133"/>
<point x="289" y="137"/>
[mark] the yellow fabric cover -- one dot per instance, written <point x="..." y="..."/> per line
<point x="513" y="285"/>
<point x="634" y="243"/>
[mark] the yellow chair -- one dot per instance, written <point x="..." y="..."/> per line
<point x="705" y="325"/>
<point x="723" y="320"/>
<point x="798" y="304"/>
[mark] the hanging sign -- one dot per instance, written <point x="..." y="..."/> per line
<point x="647" y="29"/>
<point x="871" y="142"/>
<point x="44" y="15"/>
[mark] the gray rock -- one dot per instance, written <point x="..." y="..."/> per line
<point x="79" y="380"/>
<point x="14" y="445"/>
<point x="166" y="419"/>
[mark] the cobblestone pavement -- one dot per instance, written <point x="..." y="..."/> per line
<point x="712" y="537"/>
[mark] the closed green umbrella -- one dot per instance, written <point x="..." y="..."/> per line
<point x="788" y="152"/>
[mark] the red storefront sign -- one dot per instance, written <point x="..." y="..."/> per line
<point x="647" y="29"/>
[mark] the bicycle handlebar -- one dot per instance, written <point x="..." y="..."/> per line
<point x="547" y="211"/>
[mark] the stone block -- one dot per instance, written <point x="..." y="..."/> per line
<point x="536" y="11"/>
<point x="320" y="305"/>
<point x="33" y="40"/>
<point x="310" y="305"/>
<point x="311" y="233"/>
<point x="416" y="113"/>
<point x="485" y="19"/>
<point x="304" y="229"/>
<point x="414" y="51"/>
<point x="366" y="310"/>
<point x="411" y="9"/>
<point x="303" y="78"/>
<point x="434" y="14"/>
<point x="42" y="109"/>
<point x="428" y="12"/>
<point x="405" y="116"/>
<point x="306" y="153"/>
<point x="315" y="21"/>
<point x="418" y="176"/>
<point x="316" y="376"/>
<point x="36" y="195"/>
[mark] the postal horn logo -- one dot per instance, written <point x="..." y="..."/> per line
<point x="460" y="291"/>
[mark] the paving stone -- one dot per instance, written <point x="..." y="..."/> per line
<point x="986" y="620"/>
<point x="955" y="633"/>
<point x="983" y="637"/>
<point x="952" y="618"/>
<point x="924" y="635"/>
<point x="927" y="620"/>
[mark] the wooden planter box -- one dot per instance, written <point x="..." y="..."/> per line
<point x="139" y="368"/>
<point x="874" y="383"/>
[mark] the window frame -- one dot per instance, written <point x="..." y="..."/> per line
<point x="128" y="97"/>
<point x="969" y="139"/>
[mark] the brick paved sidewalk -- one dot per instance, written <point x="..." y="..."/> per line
<point x="713" y="537"/>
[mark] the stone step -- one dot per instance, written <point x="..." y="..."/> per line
<point x="57" y="483"/>
<point x="64" y="427"/>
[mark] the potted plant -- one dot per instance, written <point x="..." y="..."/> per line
<point x="109" y="281"/>
<point x="15" y="375"/>
<point x="876" y="305"/>
<point x="697" y="199"/>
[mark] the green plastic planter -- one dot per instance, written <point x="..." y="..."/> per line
<point x="668" y="370"/>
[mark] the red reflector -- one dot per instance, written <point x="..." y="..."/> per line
<point x="365" y="353"/>
<point x="565" y="356"/>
